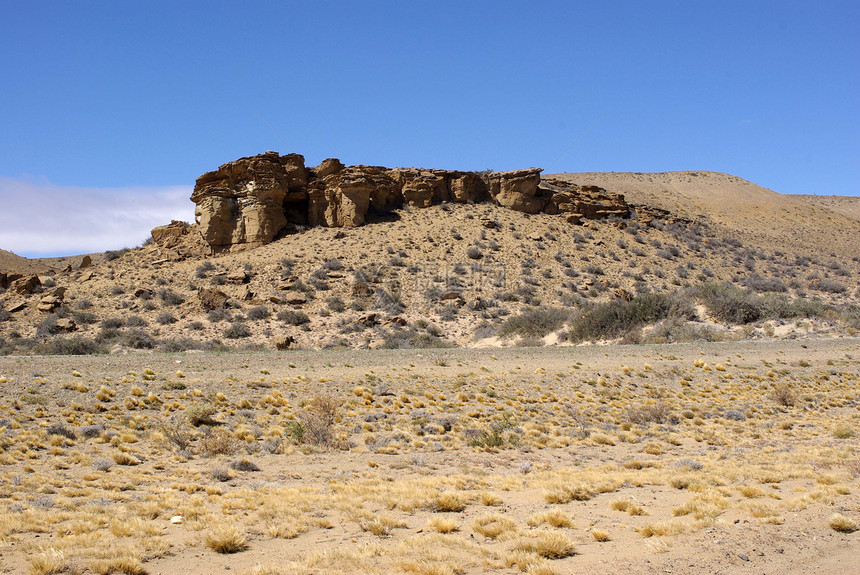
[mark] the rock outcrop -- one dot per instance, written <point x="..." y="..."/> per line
<point x="249" y="202"/>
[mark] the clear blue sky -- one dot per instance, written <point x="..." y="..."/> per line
<point x="109" y="96"/>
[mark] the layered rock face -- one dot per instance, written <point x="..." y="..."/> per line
<point x="248" y="202"/>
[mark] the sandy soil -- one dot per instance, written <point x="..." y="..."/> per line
<point x="726" y="479"/>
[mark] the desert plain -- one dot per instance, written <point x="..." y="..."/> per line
<point x="725" y="457"/>
<point x="437" y="372"/>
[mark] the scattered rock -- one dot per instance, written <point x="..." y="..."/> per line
<point x="368" y="320"/>
<point x="16" y="305"/>
<point x="621" y="293"/>
<point x="295" y="298"/>
<point x="170" y="236"/>
<point x="361" y="289"/>
<point x="49" y="303"/>
<point x="66" y="324"/>
<point x="454" y="296"/>
<point x="211" y="298"/>
<point x="249" y="202"/>
<point x="238" y="277"/>
<point x="25" y="285"/>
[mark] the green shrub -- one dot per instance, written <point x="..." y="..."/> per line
<point x="138" y="339"/>
<point x="237" y="330"/>
<point x="730" y="303"/>
<point x="201" y="414"/>
<point x="76" y="345"/>
<point x="618" y="318"/>
<point x="534" y="322"/>
<point x="291" y="317"/>
<point x="258" y="312"/>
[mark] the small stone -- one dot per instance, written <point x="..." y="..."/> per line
<point x="743" y="557"/>
<point x="176" y="519"/>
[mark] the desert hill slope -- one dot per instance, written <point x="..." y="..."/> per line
<point x="471" y="274"/>
<point x="846" y="205"/>
<point x="758" y="215"/>
<point x="13" y="263"/>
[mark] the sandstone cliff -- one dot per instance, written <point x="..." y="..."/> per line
<point x="248" y="202"/>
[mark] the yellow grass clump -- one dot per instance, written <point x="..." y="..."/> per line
<point x="839" y="522"/>
<point x="226" y="539"/>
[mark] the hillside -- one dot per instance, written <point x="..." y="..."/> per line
<point x="761" y="217"/>
<point x="462" y="273"/>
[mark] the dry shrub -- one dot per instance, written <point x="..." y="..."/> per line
<point x="218" y="441"/>
<point x="553" y="517"/>
<point x="201" y="414"/>
<point x="654" y="412"/>
<point x="783" y="394"/>
<point x="176" y="432"/>
<point x="600" y="535"/>
<point x="318" y="420"/>
<point x="123" y="458"/>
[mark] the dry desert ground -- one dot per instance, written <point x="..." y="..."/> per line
<point x="727" y="457"/>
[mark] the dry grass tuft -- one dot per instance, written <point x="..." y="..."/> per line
<point x="551" y="545"/>
<point x="553" y="517"/>
<point x="493" y="525"/>
<point x="226" y="539"/>
<point x="448" y="502"/>
<point x="600" y="535"/>
<point x="48" y="562"/>
<point x="443" y="525"/>
<point x="839" y="522"/>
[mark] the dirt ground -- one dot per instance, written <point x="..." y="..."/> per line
<point x="732" y="457"/>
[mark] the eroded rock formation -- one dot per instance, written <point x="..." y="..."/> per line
<point x="248" y="202"/>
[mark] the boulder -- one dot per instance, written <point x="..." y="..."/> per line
<point x="25" y="285"/>
<point x="583" y="202"/>
<point x="86" y="262"/>
<point x="295" y="298"/>
<point x="66" y="324"/>
<point x="328" y="167"/>
<point x="343" y="198"/>
<point x="238" y="277"/>
<point x="467" y="187"/>
<point x="169" y="236"/>
<point x="517" y="189"/>
<point x="243" y="202"/>
<point x="49" y="303"/>
<point x="211" y="298"/>
<point x="16" y="305"/>
<point x="422" y="188"/>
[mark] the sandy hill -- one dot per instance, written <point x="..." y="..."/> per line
<point x="759" y="216"/>
<point x="15" y="264"/>
<point x="846" y="205"/>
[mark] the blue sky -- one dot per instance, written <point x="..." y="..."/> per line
<point x="134" y="100"/>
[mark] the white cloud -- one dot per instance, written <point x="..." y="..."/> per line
<point x="38" y="218"/>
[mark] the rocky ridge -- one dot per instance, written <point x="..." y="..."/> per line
<point x="253" y="200"/>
